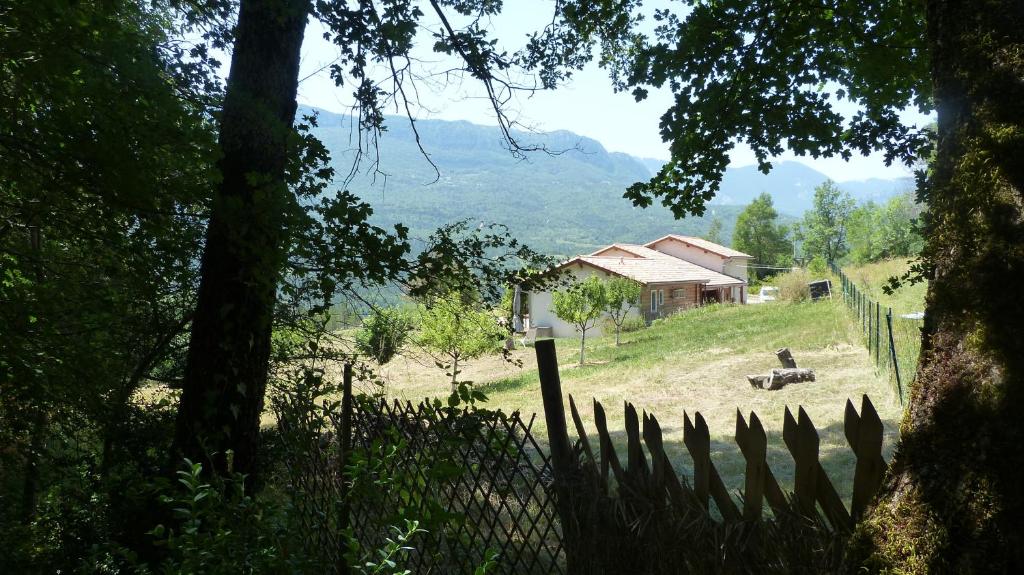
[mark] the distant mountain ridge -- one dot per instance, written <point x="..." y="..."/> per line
<point x="791" y="185"/>
<point x="565" y="202"/>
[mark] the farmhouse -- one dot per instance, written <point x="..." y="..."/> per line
<point x="671" y="281"/>
<point x="713" y="256"/>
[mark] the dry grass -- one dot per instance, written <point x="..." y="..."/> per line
<point x="871" y="278"/>
<point x="697" y="361"/>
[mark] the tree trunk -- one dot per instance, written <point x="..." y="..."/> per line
<point x="583" y="341"/>
<point x="455" y="374"/>
<point x="781" y="377"/>
<point x="228" y="356"/>
<point x="786" y="357"/>
<point x="954" y="498"/>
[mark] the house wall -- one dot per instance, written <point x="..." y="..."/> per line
<point x="732" y="267"/>
<point x="542" y="312"/>
<point x="736" y="267"/>
<point x="678" y="297"/>
<point x="614" y="252"/>
<point x="689" y="253"/>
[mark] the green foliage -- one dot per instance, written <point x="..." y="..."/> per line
<point x="581" y="305"/>
<point x="621" y="296"/>
<point x="220" y="528"/>
<point x="877" y="232"/>
<point x="757" y="233"/>
<point x="817" y="266"/>
<point x="105" y="162"/>
<point x="715" y="230"/>
<point x="396" y="548"/>
<point x="384" y="333"/>
<point x="458" y="328"/>
<point x="720" y="58"/>
<point x="824" y="227"/>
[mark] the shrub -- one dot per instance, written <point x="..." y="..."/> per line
<point x="818" y="266"/>
<point x="793" y="286"/>
<point x="630" y="324"/>
<point x="384" y="333"/>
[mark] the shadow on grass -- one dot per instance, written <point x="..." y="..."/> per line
<point x="839" y="463"/>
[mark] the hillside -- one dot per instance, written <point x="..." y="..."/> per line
<point x="565" y="202"/>
<point x="792" y="184"/>
<point x="871" y="278"/>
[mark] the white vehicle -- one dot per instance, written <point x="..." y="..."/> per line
<point x="768" y="293"/>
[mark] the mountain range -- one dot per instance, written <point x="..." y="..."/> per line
<point x="563" y="201"/>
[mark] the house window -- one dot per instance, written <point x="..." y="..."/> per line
<point x="661" y="297"/>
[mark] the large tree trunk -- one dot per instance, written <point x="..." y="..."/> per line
<point x="228" y="356"/>
<point x="954" y="499"/>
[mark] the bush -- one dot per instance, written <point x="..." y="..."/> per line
<point x="384" y="333"/>
<point x="630" y="324"/>
<point x="793" y="286"/>
<point x="818" y="266"/>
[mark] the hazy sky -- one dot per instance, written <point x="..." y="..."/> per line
<point x="587" y="105"/>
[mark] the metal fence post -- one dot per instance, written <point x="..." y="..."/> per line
<point x="892" y="355"/>
<point x="563" y="463"/>
<point x="871" y="332"/>
<point x="878" y="337"/>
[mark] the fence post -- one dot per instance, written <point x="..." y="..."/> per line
<point x="871" y="319"/>
<point x="562" y="462"/>
<point x="864" y="434"/>
<point x="878" y="330"/>
<point x="892" y="356"/>
<point x="863" y="314"/>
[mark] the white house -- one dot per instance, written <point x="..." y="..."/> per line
<point x="669" y="283"/>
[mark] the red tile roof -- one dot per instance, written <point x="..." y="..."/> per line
<point x="654" y="267"/>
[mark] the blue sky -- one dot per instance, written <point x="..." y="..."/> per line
<point x="587" y="105"/>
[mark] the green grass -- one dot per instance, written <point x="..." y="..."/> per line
<point x="697" y="361"/>
<point x="872" y="277"/>
<point x="906" y="299"/>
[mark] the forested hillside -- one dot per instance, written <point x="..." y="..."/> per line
<point x="565" y="201"/>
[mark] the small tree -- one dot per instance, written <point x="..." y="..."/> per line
<point x="384" y="333"/>
<point x="758" y="233"/>
<point x="715" y="230"/>
<point x="825" y="224"/>
<point x="620" y="295"/>
<point x="581" y="305"/>
<point x="456" y="327"/>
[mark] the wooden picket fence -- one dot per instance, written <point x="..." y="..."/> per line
<point x="612" y="510"/>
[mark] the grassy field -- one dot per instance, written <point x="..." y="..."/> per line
<point x="871" y="278"/>
<point x="697" y="361"/>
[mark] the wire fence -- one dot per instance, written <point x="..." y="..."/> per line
<point x="893" y="341"/>
<point x="476" y="481"/>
